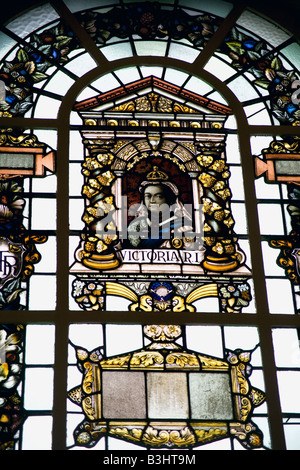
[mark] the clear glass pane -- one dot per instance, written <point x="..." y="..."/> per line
<point x="182" y="52"/>
<point x="40" y="344"/>
<point x="289" y="384"/>
<point x="292" y="436"/>
<point x="81" y="64"/>
<point x="156" y="48"/>
<point x="286" y="347"/>
<point x="32" y="20"/>
<point x="219" y="68"/>
<point x="242" y="89"/>
<point x="117" y="51"/>
<point x="38" y="389"/>
<point x="270" y="219"/>
<point x="37" y="433"/>
<point x="218" y="7"/>
<point x="270" y="32"/>
<point x="280" y="296"/>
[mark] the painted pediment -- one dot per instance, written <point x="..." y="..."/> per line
<point x="152" y="95"/>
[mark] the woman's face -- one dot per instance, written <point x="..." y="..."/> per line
<point x="154" y="197"/>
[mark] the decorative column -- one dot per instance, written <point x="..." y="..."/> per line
<point x="100" y="232"/>
<point x="222" y="253"/>
<point x="198" y="212"/>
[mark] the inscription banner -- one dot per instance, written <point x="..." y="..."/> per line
<point x="162" y="256"/>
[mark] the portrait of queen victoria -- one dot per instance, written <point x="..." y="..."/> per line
<point x="160" y="220"/>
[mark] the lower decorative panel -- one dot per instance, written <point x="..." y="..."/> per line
<point x="164" y="396"/>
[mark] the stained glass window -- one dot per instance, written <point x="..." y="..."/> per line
<point x="149" y="275"/>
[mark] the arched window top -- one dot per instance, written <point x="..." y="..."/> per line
<point x="254" y="62"/>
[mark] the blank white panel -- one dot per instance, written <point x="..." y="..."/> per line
<point x="46" y="107"/>
<point x="123" y="338"/>
<point x="238" y="211"/>
<point x="37" y="433"/>
<point x="205" y="339"/>
<point x="151" y="70"/>
<point x="38" y="389"/>
<point x="47" y="184"/>
<point x="280" y="296"/>
<point x="42" y="292"/>
<point x="292" y="52"/>
<point x="32" y="19"/>
<point x="6" y="44"/>
<point x="89" y="336"/>
<point x="219" y="68"/>
<point x="241" y="337"/>
<point x="43" y="214"/>
<point x="270" y="32"/>
<point x="156" y="48"/>
<point x="292" y="436"/>
<point x="76" y="150"/>
<point x="219" y="7"/>
<point x="128" y="74"/>
<point x="81" y="64"/>
<point x="242" y="89"/>
<point x="198" y="86"/>
<point x="289" y="386"/>
<point x="76" y="179"/>
<point x="47" y="250"/>
<point x="40" y="344"/>
<point x="175" y="76"/>
<point x="286" y="347"/>
<point x="117" y="51"/>
<point x="76" y="212"/>
<point x="106" y="83"/>
<point x="264" y="190"/>
<point x="270" y="219"/>
<point x="208" y="304"/>
<point x="59" y="83"/>
<point x="236" y="183"/>
<point x="182" y="52"/>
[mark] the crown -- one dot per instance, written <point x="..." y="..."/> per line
<point x="157" y="174"/>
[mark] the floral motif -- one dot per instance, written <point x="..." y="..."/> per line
<point x="148" y="21"/>
<point x="235" y="297"/>
<point x="162" y="333"/>
<point x="29" y="67"/>
<point x="89" y="295"/>
<point x="255" y="56"/>
<point x="169" y="438"/>
<point x="11" y="411"/>
<point x="11" y="205"/>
